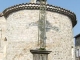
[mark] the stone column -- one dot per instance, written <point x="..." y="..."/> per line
<point x="40" y="54"/>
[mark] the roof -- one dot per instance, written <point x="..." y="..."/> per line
<point x="77" y="36"/>
<point x="77" y="41"/>
<point x="1" y="14"/>
<point x="36" y="6"/>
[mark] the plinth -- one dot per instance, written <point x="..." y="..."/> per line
<point x="40" y="54"/>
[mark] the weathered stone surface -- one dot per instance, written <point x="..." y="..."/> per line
<point x="3" y="43"/>
<point x="21" y="36"/>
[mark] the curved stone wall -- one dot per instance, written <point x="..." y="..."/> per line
<point x="3" y="43"/>
<point x="22" y="35"/>
<point x="36" y="6"/>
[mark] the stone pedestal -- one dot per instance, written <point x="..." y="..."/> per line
<point x="40" y="54"/>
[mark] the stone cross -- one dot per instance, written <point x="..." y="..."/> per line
<point x="33" y="1"/>
<point x="48" y="26"/>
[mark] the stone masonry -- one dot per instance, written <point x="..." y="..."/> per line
<point x="21" y="32"/>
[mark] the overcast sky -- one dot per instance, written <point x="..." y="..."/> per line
<point x="73" y="5"/>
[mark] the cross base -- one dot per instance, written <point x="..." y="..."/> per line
<point x="40" y="54"/>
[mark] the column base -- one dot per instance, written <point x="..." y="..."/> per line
<point x="40" y="54"/>
<point x="40" y="51"/>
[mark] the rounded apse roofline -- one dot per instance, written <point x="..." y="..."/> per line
<point x="1" y="14"/>
<point x="36" y="6"/>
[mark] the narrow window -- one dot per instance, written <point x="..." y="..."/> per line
<point x="72" y="52"/>
<point x="77" y="53"/>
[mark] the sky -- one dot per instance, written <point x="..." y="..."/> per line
<point x="73" y="5"/>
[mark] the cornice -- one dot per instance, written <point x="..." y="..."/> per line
<point x="36" y="6"/>
<point x="1" y="14"/>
